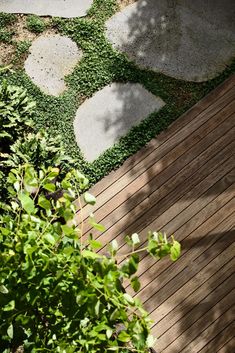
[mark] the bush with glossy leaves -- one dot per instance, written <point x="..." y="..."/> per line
<point x="56" y="292"/>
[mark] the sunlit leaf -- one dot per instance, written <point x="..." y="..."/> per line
<point x="10" y="331"/>
<point x="135" y="239"/>
<point x="27" y="203"/>
<point x="90" y="254"/>
<point x="89" y="199"/>
<point x="175" y="250"/>
<point x="3" y="289"/>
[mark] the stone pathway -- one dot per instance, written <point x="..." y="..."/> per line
<point x="60" y="8"/>
<point x="51" y="58"/>
<point x="187" y="39"/>
<point x="101" y="120"/>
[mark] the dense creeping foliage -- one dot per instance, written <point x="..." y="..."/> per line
<point x="101" y="65"/>
<point x="58" y="293"/>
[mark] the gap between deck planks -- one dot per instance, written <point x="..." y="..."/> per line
<point x="182" y="182"/>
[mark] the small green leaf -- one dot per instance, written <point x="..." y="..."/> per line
<point x="53" y="173"/>
<point x="67" y="230"/>
<point x="123" y="337"/>
<point x="109" y="333"/>
<point x="135" y="283"/>
<point x="95" y="244"/>
<point x="4" y="231"/>
<point x="150" y="341"/>
<point x="50" y="238"/>
<point x="44" y="203"/>
<point x="135" y="239"/>
<point x="10" y="331"/>
<point x="95" y="225"/>
<point x="10" y="306"/>
<point x="90" y="254"/>
<point x="17" y="186"/>
<point x="90" y="199"/>
<point x="175" y="250"/>
<point x="128" y="298"/>
<point x="49" y="187"/>
<point x="27" y="203"/>
<point x="97" y="308"/>
<point x="3" y="289"/>
<point x="114" y="245"/>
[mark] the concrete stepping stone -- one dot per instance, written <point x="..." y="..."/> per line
<point x="101" y="120"/>
<point x="187" y="39"/>
<point x="60" y="8"/>
<point x="52" y="58"/>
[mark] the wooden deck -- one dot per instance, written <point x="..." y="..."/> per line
<point x="183" y="182"/>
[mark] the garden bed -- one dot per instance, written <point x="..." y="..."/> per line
<point x="100" y="66"/>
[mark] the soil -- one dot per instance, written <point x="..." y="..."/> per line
<point x="7" y="52"/>
<point x="124" y="3"/>
<point x="21" y="33"/>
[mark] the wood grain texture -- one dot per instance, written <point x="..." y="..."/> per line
<point x="183" y="183"/>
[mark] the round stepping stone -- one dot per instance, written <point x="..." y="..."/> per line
<point x="52" y="58"/>
<point x="60" y="8"/>
<point x="101" y="120"/>
<point x="187" y="39"/>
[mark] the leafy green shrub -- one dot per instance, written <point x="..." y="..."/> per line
<point x="56" y="293"/>
<point x="35" y="24"/>
<point x="38" y="149"/>
<point x="16" y="111"/>
<point x="19" y="142"/>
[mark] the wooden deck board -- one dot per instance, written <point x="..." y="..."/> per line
<point x="164" y="168"/>
<point x="182" y="182"/>
<point x="226" y="347"/>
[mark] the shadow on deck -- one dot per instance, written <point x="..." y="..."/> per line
<point x="183" y="183"/>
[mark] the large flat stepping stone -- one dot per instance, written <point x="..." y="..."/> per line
<point x="52" y="58"/>
<point x="110" y="114"/>
<point x="186" y="39"/>
<point x="60" y="8"/>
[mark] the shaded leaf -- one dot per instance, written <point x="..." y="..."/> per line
<point x="135" y="283"/>
<point x="44" y="203"/>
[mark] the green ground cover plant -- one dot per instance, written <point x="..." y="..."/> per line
<point x="7" y="19"/>
<point x="21" y="49"/>
<point x="35" y="24"/>
<point x="57" y="294"/>
<point x="101" y="65"/>
<point x="6" y="31"/>
<point x="6" y="36"/>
